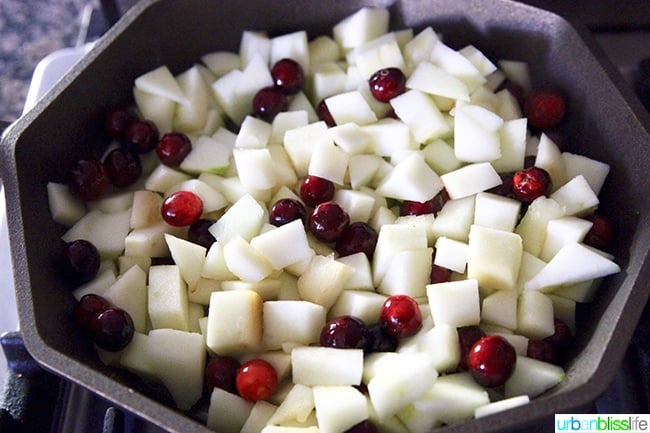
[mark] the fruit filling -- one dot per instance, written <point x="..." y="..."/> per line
<point x="353" y="233"/>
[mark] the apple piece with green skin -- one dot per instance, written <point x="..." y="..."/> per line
<point x="315" y="365"/>
<point x="235" y="322"/>
<point x="339" y="408"/>
<point x="207" y="155"/>
<point x="280" y="319"/>
<point x="181" y="370"/>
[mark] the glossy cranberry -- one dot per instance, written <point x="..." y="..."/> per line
<point x="117" y="121"/>
<point x="344" y="332"/>
<point x="409" y="207"/>
<point x="467" y="336"/>
<point x="530" y="183"/>
<point x="543" y="351"/>
<point x="328" y="221"/>
<point x="562" y="336"/>
<point x="89" y="180"/>
<point x="172" y="148"/>
<point x="199" y="232"/>
<point x="256" y="380"/>
<point x="221" y="372"/>
<point x="324" y="114"/>
<point x="181" y="208"/>
<point x="123" y="167"/>
<point x="544" y="108"/>
<point x="401" y="316"/>
<point x="80" y="261"/>
<point x="491" y="361"/>
<point x="89" y="307"/>
<point x="288" y="75"/>
<point x="387" y="83"/>
<point x="601" y="233"/>
<point x="439" y="274"/>
<point x="379" y="340"/>
<point x="315" y="190"/>
<point x="112" y="329"/>
<point x="268" y="102"/>
<point x="358" y="237"/>
<point x="365" y="426"/>
<point x="142" y="136"/>
<point x="286" y="210"/>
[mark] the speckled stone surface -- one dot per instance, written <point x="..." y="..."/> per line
<point x="29" y="31"/>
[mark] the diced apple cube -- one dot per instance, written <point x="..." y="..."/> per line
<point x="379" y="53"/>
<point x="365" y="305"/>
<point x="549" y="158"/>
<point x="495" y="211"/>
<point x="408" y="273"/>
<point x="221" y="62"/>
<point x="418" y="110"/>
<point x="244" y="261"/>
<point x="500" y="308"/>
<point x="300" y="143"/>
<point x="595" y="172"/>
<point x="457" y="65"/>
<point x="280" y="319"/>
<point x="364" y="25"/>
<point x="106" y="231"/>
<point x="65" y="208"/>
<point x="434" y="80"/>
<point x="146" y="209"/>
<point x="267" y="288"/>
<point x="227" y="412"/>
<point x="297" y="405"/>
<point x="441" y="342"/>
<point x="317" y="365"/>
<point x="532" y="377"/>
<point x="159" y="109"/>
<point x="129" y="292"/>
<point x="234" y="322"/>
<point x="258" y="417"/>
<point x="476" y="134"/>
<point x="532" y="227"/>
<point x="339" y="408"/>
<point x="188" y="256"/>
<point x="440" y="156"/>
<point x="451" y="254"/>
<point x="455" y="219"/>
<point x="327" y="79"/>
<point x="455" y="303"/>
<point x="411" y="179"/>
<point x="361" y="279"/>
<point x="535" y="315"/>
<point x="562" y="231"/>
<point x="576" y="197"/>
<point x="161" y="82"/>
<point x="293" y="234"/>
<point x="392" y="239"/>
<point x="167" y="298"/>
<point x="350" y="106"/>
<point x="470" y="179"/>
<point x="494" y="258"/>
<point x="323" y="281"/>
<point x="388" y="136"/>
<point x="150" y="241"/>
<point x="244" y="218"/>
<point x="292" y="45"/>
<point x="329" y="162"/>
<point x="518" y="71"/>
<point x="253" y="133"/>
<point x="163" y="177"/>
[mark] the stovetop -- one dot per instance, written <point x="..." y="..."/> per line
<point x="22" y="406"/>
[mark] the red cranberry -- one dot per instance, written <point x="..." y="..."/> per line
<point x="181" y="208"/>
<point x="344" y="332"/>
<point x="439" y="274"/>
<point x="467" y="336"/>
<point x="88" y="307"/>
<point x="142" y="136"/>
<point x="315" y="190"/>
<point x="221" y="372"/>
<point x="199" y="232"/>
<point x="112" y="329"/>
<point x="409" y="207"/>
<point x="387" y="83"/>
<point x="123" y="167"/>
<point x="286" y="210"/>
<point x="89" y="180"/>
<point x="172" y="148"/>
<point x="328" y="221"/>
<point x="491" y="361"/>
<point x="358" y="237"/>
<point x="544" y="108"/>
<point x="80" y="261"/>
<point x="379" y="340"/>
<point x="562" y="336"/>
<point x="543" y="351"/>
<point x="268" y="102"/>
<point x="117" y="121"/>
<point x="601" y="233"/>
<point x="288" y="76"/>
<point x="530" y="183"/>
<point x="401" y="316"/>
<point x="324" y="114"/>
<point x="365" y="426"/>
<point x="256" y="380"/>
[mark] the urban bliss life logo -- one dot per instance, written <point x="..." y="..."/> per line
<point x="602" y="423"/>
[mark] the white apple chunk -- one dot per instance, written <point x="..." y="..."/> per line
<point x="424" y="221"/>
<point x="576" y="197"/>
<point x="388" y="136"/>
<point x="267" y="288"/>
<point x="532" y="377"/>
<point x="455" y="303"/>
<point x="399" y="381"/>
<point x="411" y="179"/>
<point x="285" y="121"/>
<point x="300" y="142"/>
<point x="549" y="158"/>
<point x="518" y="71"/>
<point x="244" y="261"/>
<point x="167" y="298"/>
<point x="244" y="218"/>
<point x="292" y="234"/>
<point x="129" y="292"/>
<point x="350" y="137"/>
<point x="159" y="109"/>
<point x="227" y="412"/>
<point x="364" y="25"/>
<point x="188" y="256"/>
<point x="134" y="357"/>
<point x="380" y="53"/>
<point x="125" y="263"/>
<point x="150" y="241"/>
<point x="192" y="117"/>
<point x="65" y="208"/>
<point x="350" y="106"/>
<point x="421" y="114"/>
<point x="456" y="64"/>
<point x="451" y="254"/>
<point x="358" y="205"/>
<point x="476" y="134"/>
<point x="579" y="292"/>
<point x="214" y="264"/>
<point x="361" y="279"/>
<point x="562" y="231"/>
<point x="408" y="273"/>
<point x="508" y="109"/>
<point x="455" y="219"/>
<point x="106" y="231"/>
<point x="281" y="317"/>
<point x="434" y="80"/>
<point x="500" y="308"/>
<point x="211" y="199"/>
<point x="363" y="304"/>
<point x="391" y="239"/>
<point x="200" y="293"/>
<point x="323" y="49"/>
<point x="297" y="405"/>
<point x="501" y="405"/>
<point x="532" y="227"/>
<point x="325" y="80"/>
<point x="440" y="156"/>
<point x="470" y="179"/>
<point x="453" y="397"/>
<point x="315" y="365"/>
<point x="221" y="62"/>
<point x="258" y="417"/>
<point x="329" y="162"/>
<point x="324" y="280"/>
<point x="338" y="408"/>
<point x="252" y="44"/>
<point x="161" y="82"/>
<point x="234" y="322"/>
<point x="253" y="133"/>
<point x="417" y="421"/>
<point x="146" y="209"/>
<point x="419" y="48"/>
<point x="180" y="369"/>
<point x="565" y="310"/>
<point x="496" y="211"/>
<point x="595" y="172"/>
<point x="207" y="154"/>
<point x="574" y="263"/>
<point x="255" y="168"/>
<point x="292" y="45"/>
<point x="494" y="257"/>
<point x="535" y="318"/>
<point x="163" y="177"/>
<point x="113" y="202"/>
<point x="235" y="105"/>
<point x="441" y="343"/>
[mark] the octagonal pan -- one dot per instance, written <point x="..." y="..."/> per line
<point x="606" y="124"/>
